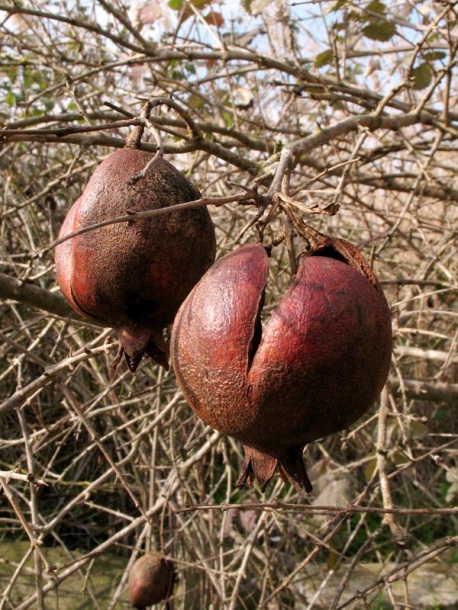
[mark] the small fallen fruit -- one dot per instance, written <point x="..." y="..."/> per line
<point x="317" y="366"/>
<point x="134" y="275"/>
<point x="151" y="580"/>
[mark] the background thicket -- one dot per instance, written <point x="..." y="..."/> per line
<point x="352" y="109"/>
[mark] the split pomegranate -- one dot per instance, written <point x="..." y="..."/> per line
<point x="133" y="276"/>
<point x="151" y="580"/>
<point x="318" y="365"/>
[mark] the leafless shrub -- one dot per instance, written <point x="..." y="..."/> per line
<point x="330" y="103"/>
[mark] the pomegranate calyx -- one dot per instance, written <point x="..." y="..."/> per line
<point x="256" y="465"/>
<point x="134" y="343"/>
<point x="260" y="466"/>
<point x="292" y="469"/>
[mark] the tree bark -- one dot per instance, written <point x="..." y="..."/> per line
<point x="29" y="294"/>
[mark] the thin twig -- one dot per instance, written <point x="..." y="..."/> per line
<point x="203" y="201"/>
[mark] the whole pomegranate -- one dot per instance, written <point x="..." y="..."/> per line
<point x="151" y="580"/>
<point x="133" y="276"/>
<point x="318" y="365"/>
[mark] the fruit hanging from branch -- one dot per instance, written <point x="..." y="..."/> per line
<point x="151" y="580"/>
<point x="134" y="275"/>
<point x="317" y="366"/>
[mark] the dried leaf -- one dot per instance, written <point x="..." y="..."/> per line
<point x="248" y="519"/>
<point x="150" y="13"/>
<point x="18" y="22"/>
<point x="228" y="522"/>
<point x="214" y="18"/>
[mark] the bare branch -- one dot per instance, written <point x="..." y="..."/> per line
<point x="29" y="294"/>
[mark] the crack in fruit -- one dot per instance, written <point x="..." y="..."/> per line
<point x="257" y="333"/>
<point x="317" y="366"/>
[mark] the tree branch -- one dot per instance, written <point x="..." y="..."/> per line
<point x="29" y="294"/>
<point x="428" y="391"/>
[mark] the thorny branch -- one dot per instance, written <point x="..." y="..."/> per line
<point x="344" y="119"/>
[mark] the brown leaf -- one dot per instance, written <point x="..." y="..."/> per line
<point x="214" y="18"/>
<point x="150" y="12"/>
<point x="248" y="519"/>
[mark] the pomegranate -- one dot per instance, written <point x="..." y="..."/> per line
<point x="133" y="276"/>
<point x="151" y="580"/>
<point x="318" y="365"/>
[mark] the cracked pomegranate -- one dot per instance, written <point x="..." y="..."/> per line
<point x="133" y="276"/>
<point x="318" y="365"/>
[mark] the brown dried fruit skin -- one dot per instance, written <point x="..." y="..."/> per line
<point x="133" y="276"/>
<point x="151" y="580"/>
<point x="321" y="363"/>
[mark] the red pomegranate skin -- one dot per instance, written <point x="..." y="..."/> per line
<point x="133" y="276"/>
<point x="63" y="258"/>
<point x="318" y="365"/>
